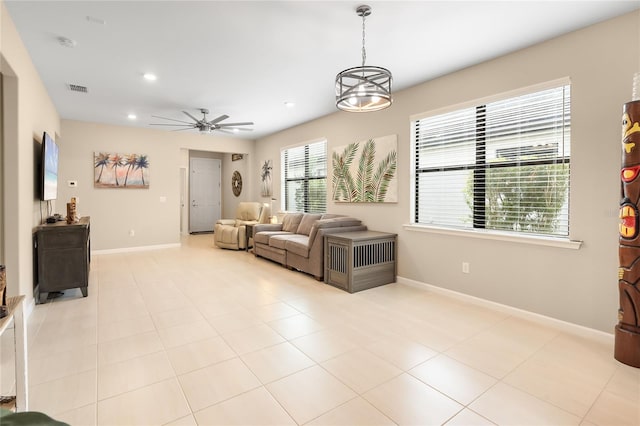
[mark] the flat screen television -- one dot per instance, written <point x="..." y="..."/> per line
<point x="49" y="187"/>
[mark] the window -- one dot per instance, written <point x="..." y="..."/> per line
<point x="499" y="166"/>
<point x="304" y="177"/>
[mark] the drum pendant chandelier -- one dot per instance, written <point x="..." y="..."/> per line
<point x="363" y="88"/>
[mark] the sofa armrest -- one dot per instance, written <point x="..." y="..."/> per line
<point x="267" y="227"/>
<point x="230" y="222"/>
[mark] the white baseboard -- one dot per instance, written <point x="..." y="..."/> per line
<point x="133" y="249"/>
<point x="568" y="327"/>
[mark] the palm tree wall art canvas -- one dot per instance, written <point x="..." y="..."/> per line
<point x="114" y="170"/>
<point x="265" y="178"/>
<point x="365" y="172"/>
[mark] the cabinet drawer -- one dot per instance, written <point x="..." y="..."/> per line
<point x="63" y="238"/>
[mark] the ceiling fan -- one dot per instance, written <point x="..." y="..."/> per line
<point x="205" y="126"/>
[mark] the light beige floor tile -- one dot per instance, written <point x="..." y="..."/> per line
<point x="295" y="326"/>
<point x="156" y="404"/>
<point x="128" y="347"/>
<point x="256" y="408"/>
<point x="275" y="311"/>
<point x="500" y="349"/>
<point x="625" y="382"/>
<point x="231" y="291"/>
<point x="174" y="317"/>
<point x="309" y="393"/>
<point x="166" y="302"/>
<point x="196" y="355"/>
<point x="454" y="379"/>
<point x="614" y="410"/>
<point x="236" y="320"/>
<point x="127" y="327"/>
<point x="545" y="377"/>
<point x="83" y="416"/>
<point x="216" y="383"/>
<point x="403" y="353"/>
<point x="183" y="421"/>
<point x="252" y="338"/>
<point x="404" y="398"/>
<point x="64" y="394"/>
<point x="125" y="376"/>
<point x="54" y="339"/>
<point x="467" y="417"/>
<point x="505" y="405"/>
<point x="59" y="365"/>
<point x="355" y="412"/>
<point x="186" y="333"/>
<point x="323" y="345"/>
<point x="361" y="370"/>
<point x="277" y="361"/>
<point x="438" y="339"/>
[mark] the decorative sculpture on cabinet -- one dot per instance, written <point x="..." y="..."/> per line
<point x="627" y="332"/>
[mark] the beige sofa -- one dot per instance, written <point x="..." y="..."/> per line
<point x="231" y="233"/>
<point x="298" y="242"/>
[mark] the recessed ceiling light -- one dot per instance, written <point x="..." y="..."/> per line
<point x="132" y="116"/>
<point x="149" y="76"/>
<point x="236" y="130"/>
<point x="289" y="104"/>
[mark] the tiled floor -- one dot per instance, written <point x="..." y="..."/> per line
<point x="199" y="335"/>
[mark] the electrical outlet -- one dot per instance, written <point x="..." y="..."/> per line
<point x="465" y="268"/>
<point x="132" y="233"/>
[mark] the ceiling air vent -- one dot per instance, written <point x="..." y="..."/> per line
<point x="77" y="88"/>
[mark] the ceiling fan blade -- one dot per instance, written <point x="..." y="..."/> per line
<point x="219" y="119"/>
<point x="180" y="130"/>
<point x="191" y="116"/>
<point x="178" y="125"/>
<point x="247" y="123"/>
<point x="171" y="119"/>
<point x="224" y="131"/>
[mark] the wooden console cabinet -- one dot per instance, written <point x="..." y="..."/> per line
<point x="63" y="254"/>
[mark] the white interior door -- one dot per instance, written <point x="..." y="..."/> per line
<point x="204" y="193"/>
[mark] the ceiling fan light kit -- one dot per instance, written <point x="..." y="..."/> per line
<point x="203" y="125"/>
<point x="363" y="88"/>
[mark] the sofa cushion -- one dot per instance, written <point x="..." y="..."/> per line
<point x="279" y="241"/>
<point x="298" y="244"/>
<point x="263" y="237"/>
<point x="291" y="222"/>
<point x="307" y="222"/>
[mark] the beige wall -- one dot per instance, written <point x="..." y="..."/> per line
<point x="27" y="112"/>
<point x="114" y="212"/>
<point x="579" y="286"/>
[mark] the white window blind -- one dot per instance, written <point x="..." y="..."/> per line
<point x="501" y="165"/>
<point x="304" y="178"/>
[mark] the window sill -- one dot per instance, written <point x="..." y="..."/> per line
<point x="493" y="235"/>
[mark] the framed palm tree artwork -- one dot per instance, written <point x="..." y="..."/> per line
<point x="114" y="170"/>
<point x="265" y="178"/>
<point x="365" y="172"/>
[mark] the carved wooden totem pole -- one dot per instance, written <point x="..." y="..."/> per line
<point x="627" y="333"/>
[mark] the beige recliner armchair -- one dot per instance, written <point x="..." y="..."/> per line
<point x="231" y="233"/>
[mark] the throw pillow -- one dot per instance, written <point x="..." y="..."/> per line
<point x="307" y="223"/>
<point x="291" y="221"/>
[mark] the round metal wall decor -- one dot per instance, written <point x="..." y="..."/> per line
<point x="236" y="183"/>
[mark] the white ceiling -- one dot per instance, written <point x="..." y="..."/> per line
<point x="246" y="59"/>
